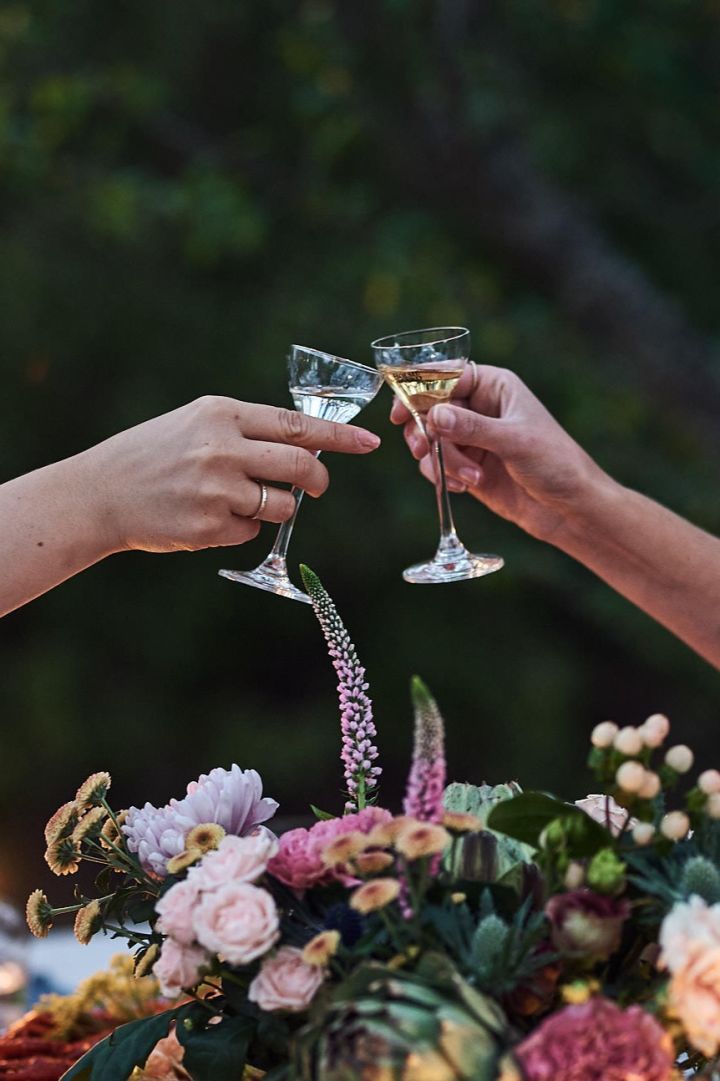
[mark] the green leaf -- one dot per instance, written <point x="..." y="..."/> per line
<point x="323" y="816"/>
<point x="214" y="1051"/>
<point x="115" y="1057"/>
<point x="526" y="816"/>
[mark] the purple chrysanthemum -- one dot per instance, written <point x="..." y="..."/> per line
<point x="233" y="798"/>
<point x="359" y="752"/>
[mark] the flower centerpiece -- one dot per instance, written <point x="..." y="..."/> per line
<point x="482" y="934"/>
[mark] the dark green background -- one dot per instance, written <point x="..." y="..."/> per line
<point x="187" y="188"/>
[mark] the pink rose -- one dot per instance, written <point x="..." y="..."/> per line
<point x="285" y="982"/>
<point x="690" y="941"/>
<point x="176" y="911"/>
<point x="236" y="859"/>
<point x="178" y="967"/>
<point x="238" y="921"/>
<point x="299" y="862"/>
<point x="165" y="1061"/>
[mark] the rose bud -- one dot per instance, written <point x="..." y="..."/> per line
<point x="586" y="925"/>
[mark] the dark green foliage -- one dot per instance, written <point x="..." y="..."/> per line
<point x="186" y="192"/>
<point x="114" y="1058"/>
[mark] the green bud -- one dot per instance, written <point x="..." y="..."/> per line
<point x="701" y="877"/>
<point x="488" y="941"/>
<point x="606" y="872"/>
<point x="554" y="834"/>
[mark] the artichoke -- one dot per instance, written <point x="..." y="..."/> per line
<point x="386" y="1025"/>
<point x="486" y="856"/>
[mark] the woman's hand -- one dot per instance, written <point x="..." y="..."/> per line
<point x="192" y="478"/>
<point x="502" y="446"/>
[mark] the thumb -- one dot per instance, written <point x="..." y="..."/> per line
<point x="467" y="428"/>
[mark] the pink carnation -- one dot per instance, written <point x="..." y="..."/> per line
<point x="597" y="1041"/>
<point x="285" y="982"/>
<point x="178" y="967"/>
<point x="298" y="862"/>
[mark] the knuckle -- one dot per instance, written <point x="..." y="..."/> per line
<point x="303" y="466"/>
<point x="293" y="425"/>
<point x="285" y="507"/>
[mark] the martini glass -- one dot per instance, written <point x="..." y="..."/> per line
<point x="329" y="388"/>
<point x="422" y="367"/>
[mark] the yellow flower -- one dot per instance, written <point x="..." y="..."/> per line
<point x="204" y="837"/>
<point x="38" y="913"/>
<point x="88" y="824"/>
<point x="461" y="822"/>
<point x="458" y="898"/>
<point x="62" y="822"/>
<point x="183" y="860"/>
<point x="343" y="848"/>
<point x="94" y="789"/>
<point x="375" y="894"/>
<point x="87" y="922"/>
<point x="144" y="964"/>
<point x="419" y="839"/>
<point x="577" y="993"/>
<point x="320" y="949"/>
<point x="369" y="863"/>
<point x="63" y="856"/>
<point x="110" y="835"/>
<point x="380" y="836"/>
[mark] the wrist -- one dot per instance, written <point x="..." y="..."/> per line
<point x="85" y="478"/>
<point x="587" y="520"/>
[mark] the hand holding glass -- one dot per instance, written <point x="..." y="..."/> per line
<point x="329" y="388"/>
<point x="422" y="367"/>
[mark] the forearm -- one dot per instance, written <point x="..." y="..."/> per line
<point x="660" y="562"/>
<point x="50" y="529"/>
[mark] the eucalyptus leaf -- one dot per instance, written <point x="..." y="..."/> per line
<point x="115" y="1057"/>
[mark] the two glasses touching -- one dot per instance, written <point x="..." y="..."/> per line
<point x="422" y="367"/>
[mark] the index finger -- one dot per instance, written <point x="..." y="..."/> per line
<point x="272" y="424"/>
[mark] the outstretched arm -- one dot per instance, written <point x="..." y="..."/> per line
<point x="507" y="451"/>
<point x="183" y="481"/>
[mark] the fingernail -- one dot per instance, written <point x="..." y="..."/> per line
<point x="455" y="487"/>
<point x="470" y="476"/>
<point x="368" y="439"/>
<point x="443" y="417"/>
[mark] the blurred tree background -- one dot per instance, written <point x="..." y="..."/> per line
<point x="186" y="189"/>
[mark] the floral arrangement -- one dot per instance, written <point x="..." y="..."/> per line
<point x="484" y="934"/>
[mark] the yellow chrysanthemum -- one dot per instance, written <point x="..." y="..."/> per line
<point x="458" y="898"/>
<point x="577" y="993"/>
<point x="320" y="949"/>
<point x="109" y="834"/>
<point x="63" y="856"/>
<point x="62" y="822"/>
<point x="94" y="789"/>
<point x="343" y="848"/>
<point x="461" y="822"/>
<point x="89" y="824"/>
<point x="421" y="839"/>
<point x="369" y="863"/>
<point x="374" y="895"/>
<point x="144" y="965"/>
<point x="184" y="860"/>
<point x="87" y="922"/>
<point x="38" y="913"/>
<point x="204" y="837"/>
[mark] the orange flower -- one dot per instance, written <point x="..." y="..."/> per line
<point x="63" y="856"/>
<point x="62" y="822"/>
<point x="88" y="824"/>
<point x="343" y="848"/>
<point x="369" y="863"/>
<point x="461" y="822"/>
<point x="87" y="922"/>
<point x="320" y="949"/>
<point x="38" y="913"/>
<point x="207" y="836"/>
<point x="94" y="789"/>
<point x="419" y="839"/>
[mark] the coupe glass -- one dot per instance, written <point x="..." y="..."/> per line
<point x="422" y="367"/>
<point x="330" y="388"/>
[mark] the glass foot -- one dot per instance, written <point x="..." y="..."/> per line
<point x="273" y="579"/>
<point x="452" y="563"/>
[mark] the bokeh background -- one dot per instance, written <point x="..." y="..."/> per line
<point x="186" y="189"/>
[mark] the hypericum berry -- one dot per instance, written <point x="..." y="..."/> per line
<point x="655" y="730"/>
<point x="675" y="825"/>
<point x="650" y="786"/>
<point x="712" y="807"/>
<point x="603" y="734"/>
<point x="709" y="782"/>
<point x="680" y="758"/>
<point x="628" y="741"/>
<point x="643" y="833"/>
<point x="630" y="777"/>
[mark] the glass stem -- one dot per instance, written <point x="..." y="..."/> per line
<point x="448" y="536"/>
<point x="277" y="557"/>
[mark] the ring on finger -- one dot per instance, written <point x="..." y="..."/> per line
<point x="475" y="378"/>
<point x="263" y="501"/>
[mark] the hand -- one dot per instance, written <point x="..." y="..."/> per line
<point x="502" y="446"/>
<point x="190" y="479"/>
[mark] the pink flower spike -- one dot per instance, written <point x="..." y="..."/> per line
<point x="426" y="783"/>
<point x="359" y="753"/>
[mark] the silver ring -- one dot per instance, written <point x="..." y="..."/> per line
<point x="263" y="501"/>
<point x="475" y="379"/>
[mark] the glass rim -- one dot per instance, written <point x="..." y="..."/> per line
<point x="391" y="340"/>
<point x="333" y="356"/>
